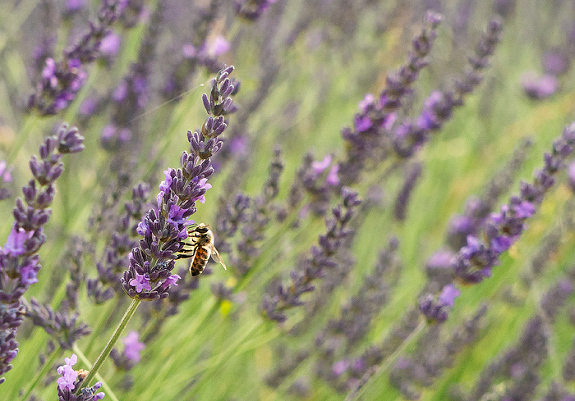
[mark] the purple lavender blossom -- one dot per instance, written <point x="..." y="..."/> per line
<point x="65" y="329"/>
<point x="18" y="257"/>
<point x="71" y="379"/>
<point x="194" y="53"/>
<point x="164" y="227"/>
<point x="110" y="45"/>
<point x="5" y="177"/>
<point x="571" y="175"/>
<point x="69" y="375"/>
<point x="478" y="208"/>
<point x="132" y="93"/>
<point x="555" y="62"/>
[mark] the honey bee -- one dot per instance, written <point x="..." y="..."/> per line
<point x="202" y="247"/>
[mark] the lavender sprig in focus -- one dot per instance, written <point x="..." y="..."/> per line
<point x="151" y="263"/>
<point x="475" y="261"/>
<point x="18" y="258"/>
<point x="149" y="275"/>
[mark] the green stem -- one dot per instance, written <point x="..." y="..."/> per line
<point x="47" y="366"/>
<point x="106" y="351"/>
<point x="371" y="375"/>
<point x="98" y="330"/>
<point x="105" y="386"/>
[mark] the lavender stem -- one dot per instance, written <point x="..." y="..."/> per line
<point x="30" y="125"/>
<point x="115" y="336"/>
<point x="370" y="375"/>
<point x="87" y="362"/>
<point x="101" y="324"/>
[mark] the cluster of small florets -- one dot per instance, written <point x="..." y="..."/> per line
<point x="71" y="380"/>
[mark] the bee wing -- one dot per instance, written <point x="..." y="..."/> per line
<point x="216" y="256"/>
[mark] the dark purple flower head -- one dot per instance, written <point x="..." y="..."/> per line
<point x="376" y="118"/>
<point x="59" y="84"/>
<point x="149" y="275"/>
<point x="278" y="298"/>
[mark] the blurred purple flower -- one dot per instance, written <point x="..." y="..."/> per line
<point x="319" y="166"/>
<point x="555" y="62"/>
<point x="539" y="86"/>
<point x="5" y="172"/>
<point x="571" y="175"/>
<point x="71" y="380"/>
<point x="332" y="177"/>
<point x="15" y="242"/>
<point x="189" y="50"/>
<point x="448" y="294"/>
<point x="110" y="44"/>
<point x="217" y="46"/>
<point x="132" y="346"/>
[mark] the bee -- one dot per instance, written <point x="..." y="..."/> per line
<point x="202" y="247"/>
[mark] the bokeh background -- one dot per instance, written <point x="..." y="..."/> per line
<point x="304" y="66"/>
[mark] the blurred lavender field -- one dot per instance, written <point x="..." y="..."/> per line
<point x="391" y="186"/>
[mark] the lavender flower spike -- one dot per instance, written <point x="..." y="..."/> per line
<point x="280" y="297"/>
<point x="149" y="275"/>
<point x="377" y="116"/>
<point x="475" y="261"/>
<point x="61" y="80"/>
<point x="18" y="257"/>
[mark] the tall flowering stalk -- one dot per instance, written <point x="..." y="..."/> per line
<point x="438" y="108"/>
<point x="280" y="298"/>
<point x="475" y="261"/>
<point x="19" y="262"/>
<point x="377" y="116"/>
<point x="61" y="80"/>
<point x="149" y="275"/>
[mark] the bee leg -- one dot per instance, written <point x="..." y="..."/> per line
<point x="184" y="256"/>
<point x="186" y="253"/>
